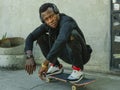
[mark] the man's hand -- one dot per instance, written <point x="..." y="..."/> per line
<point x="43" y="70"/>
<point x="30" y="66"/>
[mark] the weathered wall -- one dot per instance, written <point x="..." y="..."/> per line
<point x="20" y="17"/>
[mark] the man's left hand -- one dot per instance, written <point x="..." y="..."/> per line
<point x="42" y="72"/>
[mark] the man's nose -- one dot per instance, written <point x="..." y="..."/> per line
<point x="50" y="20"/>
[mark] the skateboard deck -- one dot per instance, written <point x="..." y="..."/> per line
<point x="63" y="77"/>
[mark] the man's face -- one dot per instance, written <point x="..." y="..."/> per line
<point x="50" y="18"/>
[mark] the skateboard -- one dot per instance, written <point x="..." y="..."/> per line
<point x="63" y="77"/>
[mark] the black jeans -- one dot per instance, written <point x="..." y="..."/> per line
<point x="75" y="51"/>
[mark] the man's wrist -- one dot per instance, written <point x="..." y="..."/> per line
<point x="29" y="54"/>
<point x="45" y="63"/>
<point x="44" y="66"/>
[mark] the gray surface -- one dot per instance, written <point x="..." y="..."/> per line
<point x="20" y="17"/>
<point x="19" y="80"/>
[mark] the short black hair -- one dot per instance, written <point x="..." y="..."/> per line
<point x="45" y="6"/>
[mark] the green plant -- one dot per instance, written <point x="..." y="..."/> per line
<point x="4" y="36"/>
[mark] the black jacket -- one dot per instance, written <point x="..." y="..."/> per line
<point x="60" y="35"/>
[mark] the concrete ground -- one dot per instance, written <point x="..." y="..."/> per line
<point x="20" y="80"/>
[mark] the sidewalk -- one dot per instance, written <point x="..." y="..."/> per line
<point x="20" y="80"/>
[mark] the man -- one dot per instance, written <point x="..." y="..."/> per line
<point x="58" y="36"/>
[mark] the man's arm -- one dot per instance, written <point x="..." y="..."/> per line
<point x="62" y="38"/>
<point x="34" y="36"/>
<point x="30" y="65"/>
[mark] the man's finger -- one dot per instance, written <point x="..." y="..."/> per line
<point x="28" y="70"/>
<point x="34" y="67"/>
<point x="41" y="76"/>
<point x="31" y="69"/>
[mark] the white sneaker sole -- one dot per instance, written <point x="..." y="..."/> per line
<point x="56" y="72"/>
<point x="75" y="81"/>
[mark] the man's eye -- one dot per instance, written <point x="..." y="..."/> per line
<point x="46" y="19"/>
<point x="51" y="16"/>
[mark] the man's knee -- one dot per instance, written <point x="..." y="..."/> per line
<point x="74" y="34"/>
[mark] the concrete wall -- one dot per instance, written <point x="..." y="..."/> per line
<point x="20" y="17"/>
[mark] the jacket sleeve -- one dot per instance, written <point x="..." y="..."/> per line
<point x="61" y="40"/>
<point x="34" y="36"/>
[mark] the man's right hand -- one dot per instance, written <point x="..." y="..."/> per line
<point x="30" y="66"/>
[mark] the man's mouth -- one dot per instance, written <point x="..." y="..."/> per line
<point x="53" y="24"/>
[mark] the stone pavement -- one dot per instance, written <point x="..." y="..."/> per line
<point x="20" y="80"/>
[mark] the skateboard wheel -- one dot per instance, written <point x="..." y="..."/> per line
<point x="74" y="87"/>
